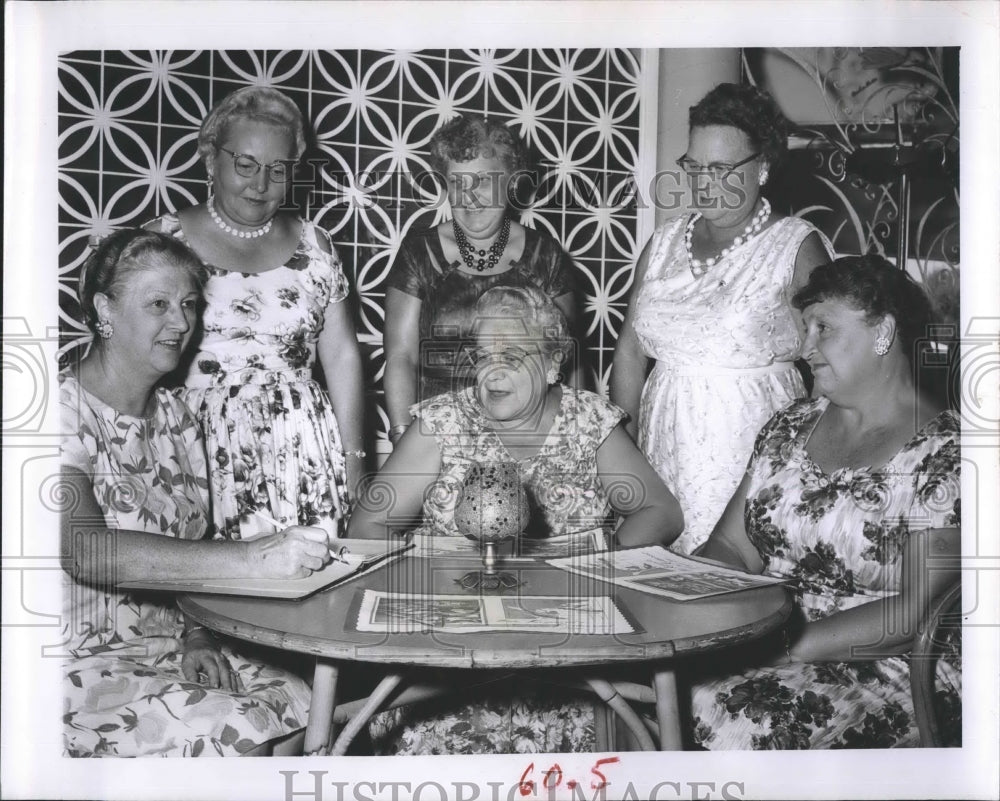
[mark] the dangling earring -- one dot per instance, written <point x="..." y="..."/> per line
<point x="208" y="183"/>
<point x="104" y="328"/>
<point x="552" y="376"/>
<point x="763" y="177"/>
<point x="881" y="346"/>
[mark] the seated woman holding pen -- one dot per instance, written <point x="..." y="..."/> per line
<point x="854" y="495"/>
<point x="141" y="680"/>
<point x="575" y="461"/>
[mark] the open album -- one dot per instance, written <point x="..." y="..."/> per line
<point x="660" y="571"/>
<point x="351" y="558"/>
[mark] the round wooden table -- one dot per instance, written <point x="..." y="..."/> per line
<point x="325" y="625"/>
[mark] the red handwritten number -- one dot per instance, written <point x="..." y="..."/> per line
<point x="604" y="782"/>
<point x="526" y="787"/>
<point x="556" y="771"/>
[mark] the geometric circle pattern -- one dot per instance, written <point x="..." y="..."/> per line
<point x="128" y="126"/>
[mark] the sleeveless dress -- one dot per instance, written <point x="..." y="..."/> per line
<point x="724" y="345"/>
<point x="125" y="693"/>
<point x="839" y="536"/>
<point x="448" y="297"/>
<point x="562" y="477"/>
<point x="273" y="439"/>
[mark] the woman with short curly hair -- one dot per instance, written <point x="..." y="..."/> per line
<point x="711" y="307"/>
<point x="440" y="272"/>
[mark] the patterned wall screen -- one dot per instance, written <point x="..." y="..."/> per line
<point x="128" y="124"/>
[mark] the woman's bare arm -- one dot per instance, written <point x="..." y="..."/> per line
<point x="651" y="513"/>
<point x="95" y="553"/>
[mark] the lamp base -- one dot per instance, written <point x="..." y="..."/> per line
<point x="486" y="580"/>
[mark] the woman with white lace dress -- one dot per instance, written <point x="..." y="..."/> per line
<point x="710" y="305"/>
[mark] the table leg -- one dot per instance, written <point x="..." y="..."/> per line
<point x="324" y="698"/>
<point x="610" y="696"/>
<point x="667" y="709"/>
<point x="358" y="721"/>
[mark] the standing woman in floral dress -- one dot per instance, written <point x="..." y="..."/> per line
<point x="278" y="443"/>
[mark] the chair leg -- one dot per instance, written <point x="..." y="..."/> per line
<point x="604" y="731"/>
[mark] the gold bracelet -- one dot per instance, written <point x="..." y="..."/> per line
<point x="358" y="453"/>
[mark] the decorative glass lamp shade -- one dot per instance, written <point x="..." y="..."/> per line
<point x="493" y="508"/>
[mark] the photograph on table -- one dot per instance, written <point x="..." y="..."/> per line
<point x="396" y="613"/>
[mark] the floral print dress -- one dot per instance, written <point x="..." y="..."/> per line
<point x="840" y="537"/>
<point x="125" y="693"/>
<point x="273" y="440"/>
<point x="562" y="478"/>
<point x="564" y="490"/>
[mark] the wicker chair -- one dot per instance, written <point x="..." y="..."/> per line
<point x="940" y="634"/>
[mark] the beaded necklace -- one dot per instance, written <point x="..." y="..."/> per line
<point x="698" y="267"/>
<point x="481" y="259"/>
<point x="235" y="231"/>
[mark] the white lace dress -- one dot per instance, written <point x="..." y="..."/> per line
<point x="724" y="346"/>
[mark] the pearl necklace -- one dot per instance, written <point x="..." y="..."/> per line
<point x="469" y="252"/>
<point x="698" y="267"/>
<point x="235" y="231"/>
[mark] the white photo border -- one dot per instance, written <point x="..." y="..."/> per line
<point x="36" y="33"/>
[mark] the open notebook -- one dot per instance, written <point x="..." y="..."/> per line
<point x="360" y="557"/>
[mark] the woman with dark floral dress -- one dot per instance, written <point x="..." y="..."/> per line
<point x="846" y="494"/>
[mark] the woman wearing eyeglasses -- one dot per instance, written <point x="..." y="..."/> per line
<point x="277" y="442"/>
<point x="710" y="306"/>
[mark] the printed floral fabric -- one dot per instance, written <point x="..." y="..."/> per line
<point x="125" y="694"/>
<point x="273" y="440"/>
<point x="724" y="346"/>
<point x="448" y="297"/>
<point x="562" y="479"/>
<point x="564" y="489"/>
<point x="840" y="537"/>
<point x="539" y="721"/>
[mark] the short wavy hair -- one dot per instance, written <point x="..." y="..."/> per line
<point x="874" y="286"/>
<point x="126" y="252"/>
<point x="543" y="320"/>
<point x="467" y="137"/>
<point x="748" y="109"/>
<point x="256" y="103"/>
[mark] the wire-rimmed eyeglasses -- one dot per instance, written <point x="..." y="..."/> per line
<point x="247" y="167"/>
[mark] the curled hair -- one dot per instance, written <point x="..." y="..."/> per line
<point x="871" y="285"/>
<point x="541" y="317"/>
<point x="466" y="138"/>
<point x="748" y="109"/>
<point x="128" y="251"/>
<point x="257" y="104"/>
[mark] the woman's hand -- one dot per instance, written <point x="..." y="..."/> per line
<point x="204" y="663"/>
<point x="293" y="553"/>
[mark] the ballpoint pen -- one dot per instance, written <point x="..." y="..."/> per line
<point x="337" y="555"/>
